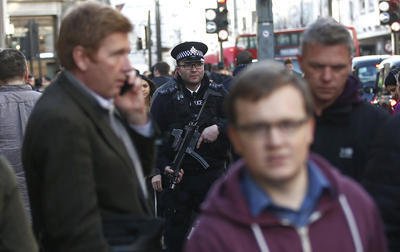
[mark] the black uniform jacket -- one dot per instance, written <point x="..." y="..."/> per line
<point x="78" y="171"/>
<point x="174" y="106"/>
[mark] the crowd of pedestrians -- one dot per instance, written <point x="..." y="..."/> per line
<point x="266" y="159"/>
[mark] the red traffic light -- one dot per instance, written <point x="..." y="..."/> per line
<point x="221" y="4"/>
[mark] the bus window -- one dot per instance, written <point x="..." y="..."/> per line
<point x="252" y="42"/>
<point x="282" y="39"/>
<point x="241" y="42"/>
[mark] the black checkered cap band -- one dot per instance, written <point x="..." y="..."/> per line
<point x="189" y="53"/>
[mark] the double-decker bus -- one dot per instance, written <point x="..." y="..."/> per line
<point x="287" y="42"/>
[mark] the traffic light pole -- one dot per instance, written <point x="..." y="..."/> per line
<point x="2" y="23"/>
<point x="148" y="38"/>
<point x="395" y="43"/>
<point x="265" y="30"/>
<point x="221" y="53"/>
<point x="158" y="31"/>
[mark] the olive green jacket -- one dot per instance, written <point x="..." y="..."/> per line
<point x="15" y="230"/>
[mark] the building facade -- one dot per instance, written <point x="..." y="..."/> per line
<point x="32" y="27"/>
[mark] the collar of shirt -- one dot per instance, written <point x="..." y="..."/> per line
<point x="259" y="201"/>
<point x="108" y="104"/>
<point x="195" y="91"/>
<point x="15" y="87"/>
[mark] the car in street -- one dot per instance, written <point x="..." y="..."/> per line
<point x="365" y="69"/>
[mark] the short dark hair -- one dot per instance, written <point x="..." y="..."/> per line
<point x="260" y="80"/>
<point x="326" y="31"/>
<point x="12" y="64"/>
<point x="150" y="82"/>
<point x="87" y="24"/>
<point x="244" y="58"/>
<point x="287" y="61"/>
<point x="162" y="67"/>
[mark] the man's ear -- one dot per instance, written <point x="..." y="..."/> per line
<point x="235" y="139"/>
<point x="26" y="74"/>
<point x="311" y="129"/>
<point x="80" y="57"/>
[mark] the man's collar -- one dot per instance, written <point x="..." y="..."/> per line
<point x="104" y="103"/>
<point x="195" y="91"/>
<point x="259" y="200"/>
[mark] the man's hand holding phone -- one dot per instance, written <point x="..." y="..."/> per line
<point x="131" y="102"/>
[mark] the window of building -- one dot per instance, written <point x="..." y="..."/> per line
<point x="35" y="37"/>
<point x="361" y="4"/>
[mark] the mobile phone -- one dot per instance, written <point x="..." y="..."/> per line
<point x="126" y="87"/>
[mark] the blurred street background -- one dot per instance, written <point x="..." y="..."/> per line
<point x="32" y="26"/>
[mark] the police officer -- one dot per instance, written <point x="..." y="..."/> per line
<point x="174" y="105"/>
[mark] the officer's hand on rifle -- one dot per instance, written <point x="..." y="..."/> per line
<point x="209" y="135"/>
<point x="157" y="183"/>
<point x="169" y="171"/>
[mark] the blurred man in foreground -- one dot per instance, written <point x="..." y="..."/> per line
<point x="279" y="197"/>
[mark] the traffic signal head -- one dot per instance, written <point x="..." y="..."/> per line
<point x="211" y="20"/>
<point x="217" y="20"/>
<point x="222" y="21"/>
<point x="389" y="11"/>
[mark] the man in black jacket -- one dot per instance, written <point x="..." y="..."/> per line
<point x="345" y="125"/>
<point x="382" y="178"/>
<point x="174" y="105"/>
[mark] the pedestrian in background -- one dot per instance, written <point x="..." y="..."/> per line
<point x="17" y="100"/>
<point x="392" y="88"/>
<point x="174" y="106"/>
<point x="88" y="146"/>
<point x="345" y="125"/>
<point x="290" y="66"/>
<point x="161" y="73"/>
<point x="242" y="60"/>
<point x="280" y="197"/>
<point x="148" y="88"/>
<point x="15" y="232"/>
<point x="218" y="73"/>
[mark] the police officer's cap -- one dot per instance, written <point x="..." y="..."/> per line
<point x="189" y="51"/>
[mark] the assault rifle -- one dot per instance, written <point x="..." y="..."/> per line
<point x="187" y="145"/>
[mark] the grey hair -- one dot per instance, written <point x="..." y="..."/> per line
<point x="326" y="31"/>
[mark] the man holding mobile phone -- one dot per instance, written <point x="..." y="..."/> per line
<point x="87" y="148"/>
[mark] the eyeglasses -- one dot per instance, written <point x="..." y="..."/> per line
<point x="189" y="66"/>
<point x="263" y="129"/>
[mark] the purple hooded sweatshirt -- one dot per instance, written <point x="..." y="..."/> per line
<point x="345" y="220"/>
